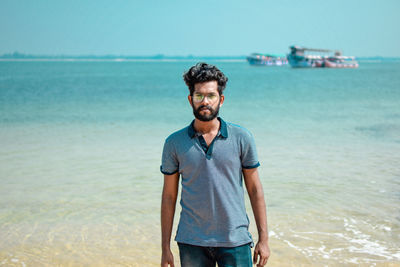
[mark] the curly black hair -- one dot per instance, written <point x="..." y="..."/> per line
<point x="203" y="72"/>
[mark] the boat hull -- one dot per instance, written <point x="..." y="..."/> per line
<point x="320" y="63"/>
<point x="297" y="62"/>
<point x="329" y="64"/>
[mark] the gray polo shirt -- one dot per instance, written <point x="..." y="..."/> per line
<point x="212" y="198"/>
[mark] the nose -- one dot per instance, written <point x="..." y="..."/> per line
<point x="205" y="100"/>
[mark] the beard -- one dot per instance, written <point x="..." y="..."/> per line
<point x="206" y="117"/>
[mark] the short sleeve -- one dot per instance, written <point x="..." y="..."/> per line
<point x="169" y="162"/>
<point x="249" y="156"/>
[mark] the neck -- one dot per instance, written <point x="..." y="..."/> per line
<point x="204" y="127"/>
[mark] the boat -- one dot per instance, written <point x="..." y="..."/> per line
<point x="257" y="59"/>
<point x="300" y="57"/>
<point x="337" y="62"/>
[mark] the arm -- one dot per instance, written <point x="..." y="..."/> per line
<point x="256" y="195"/>
<point x="168" y="202"/>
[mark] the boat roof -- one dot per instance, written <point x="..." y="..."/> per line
<point x="313" y="49"/>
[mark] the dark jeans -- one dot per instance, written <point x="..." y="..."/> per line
<point x="195" y="256"/>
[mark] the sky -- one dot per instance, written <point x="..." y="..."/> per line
<point x="199" y="28"/>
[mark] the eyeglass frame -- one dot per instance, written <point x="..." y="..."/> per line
<point x="204" y="97"/>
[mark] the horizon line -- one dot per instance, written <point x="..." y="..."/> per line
<point x="157" y="56"/>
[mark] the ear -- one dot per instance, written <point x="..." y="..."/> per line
<point x="190" y="99"/>
<point x="221" y="100"/>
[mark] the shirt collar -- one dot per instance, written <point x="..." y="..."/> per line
<point x="223" y="131"/>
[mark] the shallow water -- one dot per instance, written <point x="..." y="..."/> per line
<point x="81" y="145"/>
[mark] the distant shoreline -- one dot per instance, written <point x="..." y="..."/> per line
<point x="27" y="57"/>
<point x="153" y="58"/>
<point x="112" y="60"/>
<point x="365" y="60"/>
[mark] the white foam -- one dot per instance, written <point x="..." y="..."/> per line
<point x="303" y="237"/>
<point x="325" y="254"/>
<point x="335" y="249"/>
<point x="366" y="245"/>
<point x="358" y="242"/>
<point x="353" y="260"/>
<point x="385" y="228"/>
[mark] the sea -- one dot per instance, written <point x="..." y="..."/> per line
<point x="81" y="143"/>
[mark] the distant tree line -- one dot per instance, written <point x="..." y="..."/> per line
<point x="17" y="55"/>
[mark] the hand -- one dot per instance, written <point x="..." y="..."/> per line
<point x="261" y="253"/>
<point x="167" y="259"/>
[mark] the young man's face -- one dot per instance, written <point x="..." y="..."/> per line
<point x="206" y="100"/>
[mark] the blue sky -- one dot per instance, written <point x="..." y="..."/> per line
<point x="227" y="28"/>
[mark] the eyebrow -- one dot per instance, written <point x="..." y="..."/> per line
<point x="205" y="94"/>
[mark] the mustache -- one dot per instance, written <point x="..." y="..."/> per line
<point x="205" y="106"/>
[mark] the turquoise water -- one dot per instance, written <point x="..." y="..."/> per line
<point x="81" y="145"/>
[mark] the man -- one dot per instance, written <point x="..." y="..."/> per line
<point x="212" y="157"/>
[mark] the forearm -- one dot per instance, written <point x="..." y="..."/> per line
<point x="167" y="218"/>
<point x="257" y="200"/>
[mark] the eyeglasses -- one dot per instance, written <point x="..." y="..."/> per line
<point x="199" y="97"/>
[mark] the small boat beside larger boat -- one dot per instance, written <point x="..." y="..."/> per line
<point x="257" y="59"/>
<point x="300" y="57"/>
<point x="337" y="62"/>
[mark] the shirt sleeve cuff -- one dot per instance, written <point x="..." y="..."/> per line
<point x="252" y="167"/>
<point x="167" y="173"/>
